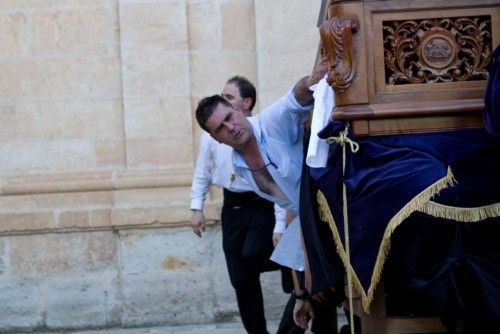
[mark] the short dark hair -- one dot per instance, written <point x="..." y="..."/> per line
<point x="247" y="89"/>
<point x="206" y="108"/>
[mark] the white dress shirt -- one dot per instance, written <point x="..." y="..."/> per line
<point x="215" y="166"/>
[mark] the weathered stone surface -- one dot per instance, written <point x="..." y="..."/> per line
<point x="83" y="301"/>
<point x="77" y="31"/>
<point x="154" y="153"/>
<point x="17" y="222"/>
<point x="21" y="304"/>
<point x="157" y="117"/>
<point x="159" y="266"/>
<point x="203" y="34"/>
<point x="8" y="120"/>
<point x="98" y="136"/>
<point x="238" y="25"/>
<point x="52" y="253"/>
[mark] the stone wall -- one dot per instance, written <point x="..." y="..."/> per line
<point x="97" y="148"/>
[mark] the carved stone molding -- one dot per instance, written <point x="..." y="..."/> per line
<point x="337" y="46"/>
<point x="93" y="181"/>
<point x="437" y="50"/>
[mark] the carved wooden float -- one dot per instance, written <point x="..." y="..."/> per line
<point x="409" y="66"/>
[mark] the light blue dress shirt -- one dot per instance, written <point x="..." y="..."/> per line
<point x="279" y="133"/>
<point x="215" y="166"/>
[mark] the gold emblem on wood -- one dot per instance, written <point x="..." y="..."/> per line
<point x="437" y="50"/>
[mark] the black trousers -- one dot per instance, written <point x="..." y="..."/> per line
<point x="247" y="229"/>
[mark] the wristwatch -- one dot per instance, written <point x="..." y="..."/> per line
<point x="302" y="296"/>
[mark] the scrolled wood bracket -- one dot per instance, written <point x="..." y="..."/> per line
<point x="337" y="46"/>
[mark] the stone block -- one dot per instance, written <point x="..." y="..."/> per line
<point x="169" y="276"/>
<point x="8" y="121"/>
<point x="210" y="71"/>
<point x="62" y="79"/>
<point x="294" y="29"/>
<point x="4" y="257"/>
<point x="21" y="306"/>
<point x="73" y="31"/>
<point x="53" y="201"/>
<point x="157" y="117"/>
<point x="65" y="252"/>
<point x="206" y="78"/>
<point x="130" y="198"/>
<point x="173" y="151"/>
<point x="238" y="25"/>
<point x="12" y="30"/>
<point x="164" y="215"/>
<point x="25" y="157"/>
<point x="203" y="23"/>
<point x="87" y="301"/>
<point x="289" y="67"/>
<point x="85" y="219"/>
<point x="110" y="154"/>
<point x="160" y="298"/>
<point x="9" y="80"/>
<point x="157" y="27"/>
<point x="153" y="74"/>
<point x="37" y="5"/>
<point x="90" y="120"/>
<point x="242" y="63"/>
<point x="163" y="250"/>
<point x="17" y="222"/>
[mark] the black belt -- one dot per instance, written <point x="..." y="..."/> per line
<point x="239" y="199"/>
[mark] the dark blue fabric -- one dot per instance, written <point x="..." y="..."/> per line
<point x="388" y="171"/>
<point x="439" y="266"/>
<point x="325" y="265"/>
<point x="492" y="96"/>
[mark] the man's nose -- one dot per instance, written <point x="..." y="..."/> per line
<point x="229" y="126"/>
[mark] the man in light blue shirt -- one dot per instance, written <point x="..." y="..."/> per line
<point x="268" y="155"/>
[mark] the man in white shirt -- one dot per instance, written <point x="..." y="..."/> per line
<point x="268" y="154"/>
<point x="247" y="219"/>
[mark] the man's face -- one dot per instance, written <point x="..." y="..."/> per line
<point x="231" y="93"/>
<point x="228" y="125"/>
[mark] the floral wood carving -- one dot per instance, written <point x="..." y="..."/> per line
<point x="437" y="50"/>
<point x="337" y="46"/>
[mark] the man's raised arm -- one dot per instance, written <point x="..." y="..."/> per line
<point x="301" y="90"/>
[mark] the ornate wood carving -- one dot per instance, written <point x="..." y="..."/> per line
<point x="437" y="50"/>
<point x="337" y="46"/>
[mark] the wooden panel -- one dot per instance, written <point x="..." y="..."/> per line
<point x="388" y="126"/>
<point x="422" y="62"/>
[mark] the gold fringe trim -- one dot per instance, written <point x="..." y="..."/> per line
<point x="464" y="215"/>
<point x="326" y="215"/>
<point x="413" y="205"/>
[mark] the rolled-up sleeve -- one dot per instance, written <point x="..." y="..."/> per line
<point x="202" y="177"/>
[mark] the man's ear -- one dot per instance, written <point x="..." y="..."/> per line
<point x="247" y="103"/>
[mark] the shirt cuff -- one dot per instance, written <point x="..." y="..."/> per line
<point x="196" y="204"/>
<point x="280" y="226"/>
<point x="295" y="104"/>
